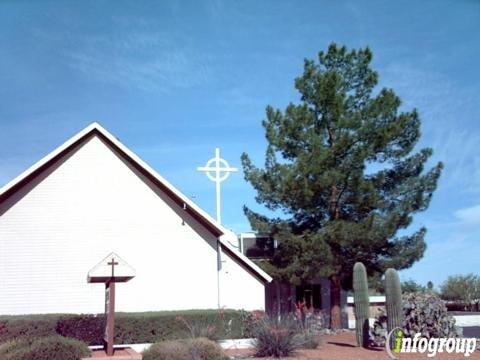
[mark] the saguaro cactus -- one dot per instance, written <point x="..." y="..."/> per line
<point x="362" y="303"/>
<point x="393" y="301"/>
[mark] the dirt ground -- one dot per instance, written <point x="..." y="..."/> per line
<point x="343" y="347"/>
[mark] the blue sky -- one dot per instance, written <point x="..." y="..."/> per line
<point x="174" y="79"/>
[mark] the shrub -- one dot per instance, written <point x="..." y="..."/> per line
<point x="8" y="348"/>
<point x="189" y="349"/>
<point x="309" y="319"/>
<point x="204" y="349"/>
<point x="147" y="327"/>
<point x="88" y="328"/>
<point x="44" y="348"/>
<point x="157" y="326"/>
<point x="309" y="323"/>
<point x="308" y="340"/>
<point x="276" y="336"/>
<point x="207" y="326"/>
<point x="12" y="327"/>
<point x="166" y="350"/>
<point x="424" y="313"/>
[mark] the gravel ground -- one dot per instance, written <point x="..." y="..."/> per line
<point x="343" y="347"/>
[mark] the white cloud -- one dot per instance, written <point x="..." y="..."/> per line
<point x="447" y="126"/>
<point x="470" y="215"/>
<point x="138" y="54"/>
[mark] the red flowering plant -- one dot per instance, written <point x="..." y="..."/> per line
<point x="250" y="320"/>
<point x="309" y="318"/>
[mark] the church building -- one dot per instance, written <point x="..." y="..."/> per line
<point x="91" y="197"/>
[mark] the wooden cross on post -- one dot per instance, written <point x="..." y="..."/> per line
<point x="110" y="270"/>
<point x="110" y="311"/>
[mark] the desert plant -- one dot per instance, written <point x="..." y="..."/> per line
<point x="362" y="304"/>
<point x="309" y="319"/>
<point x="393" y="300"/>
<point x="188" y="349"/>
<point x="423" y="313"/>
<point x="44" y="348"/>
<point x="276" y="336"/>
<point x="427" y="314"/>
<point x="163" y="350"/>
<point x="308" y="339"/>
<point x="205" y="349"/>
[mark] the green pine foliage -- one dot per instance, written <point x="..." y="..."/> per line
<point x="341" y="176"/>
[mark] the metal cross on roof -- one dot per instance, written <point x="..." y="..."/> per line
<point x="217" y="170"/>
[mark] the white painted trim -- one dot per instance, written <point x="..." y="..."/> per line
<point x="467" y="320"/>
<point x="236" y="343"/>
<point x="225" y="344"/>
<point x="187" y="201"/>
<point x="352" y="322"/>
<point x="137" y="347"/>
<point x="373" y="299"/>
<point x="460" y="320"/>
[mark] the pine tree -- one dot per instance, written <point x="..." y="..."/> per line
<point x="341" y="177"/>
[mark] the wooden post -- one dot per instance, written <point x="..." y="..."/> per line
<point x="105" y="273"/>
<point x="110" y="313"/>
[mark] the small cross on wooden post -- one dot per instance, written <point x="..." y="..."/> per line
<point x="110" y="310"/>
<point x="104" y="272"/>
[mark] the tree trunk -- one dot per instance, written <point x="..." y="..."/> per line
<point x="278" y="298"/>
<point x="335" y="303"/>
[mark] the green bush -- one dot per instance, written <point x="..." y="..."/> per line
<point x="130" y="328"/>
<point x="166" y="350"/>
<point x="88" y="328"/>
<point x="308" y="340"/>
<point x="9" y="347"/>
<point x="189" y="349"/>
<point x="205" y="349"/>
<point x="424" y="313"/>
<point x="44" y="348"/>
<point x="12" y="327"/>
<point x="170" y="325"/>
<point x="276" y="337"/>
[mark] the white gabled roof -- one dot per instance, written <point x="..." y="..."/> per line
<point x="95" y="128"/>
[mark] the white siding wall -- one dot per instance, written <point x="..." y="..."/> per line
<point x="90" y="205"/>
<point x="239" y="289"/>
